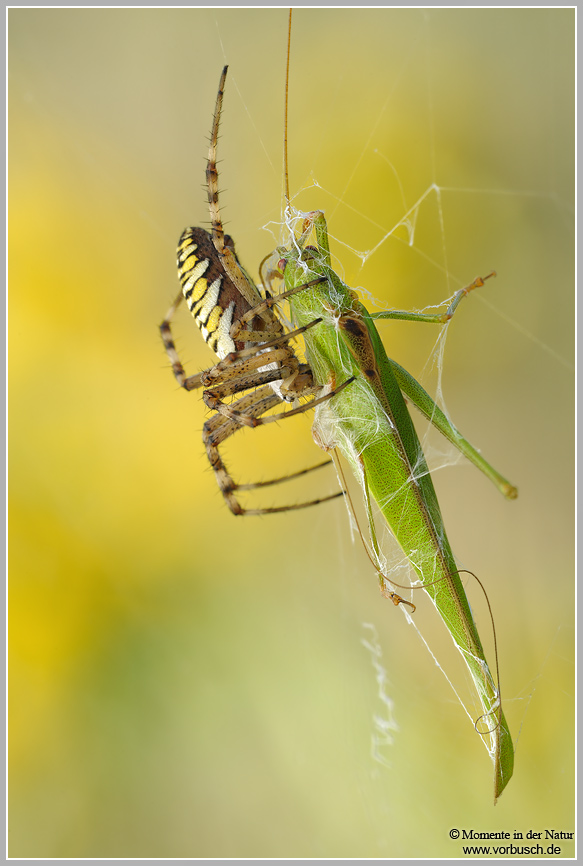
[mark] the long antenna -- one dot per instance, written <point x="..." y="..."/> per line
<point x="285" y="171"/>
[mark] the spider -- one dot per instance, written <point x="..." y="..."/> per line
<point x="243" y="329"/>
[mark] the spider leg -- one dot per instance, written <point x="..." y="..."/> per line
<point x="297" y="378"/>
<point x="280" y="339"/>
<point x="213" y="397"/>
<point x="224" y="251"/>
<point x="219" y="428"/>
<point x="268" y="303"/>
<point x="169" y="345"/>
<point x="247" y="420"/>
<point x="243" y="363"/>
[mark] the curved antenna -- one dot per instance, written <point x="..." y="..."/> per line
<point x="285" y="163"/>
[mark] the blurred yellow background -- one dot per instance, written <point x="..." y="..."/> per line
<point x="188" y="684"/>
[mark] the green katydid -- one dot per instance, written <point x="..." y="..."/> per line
<point x="361" y="408"/>
<point x="370" y="424"/>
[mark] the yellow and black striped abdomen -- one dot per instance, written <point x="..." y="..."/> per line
<point x="210" y="295"/>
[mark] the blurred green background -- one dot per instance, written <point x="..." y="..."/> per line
<point x="188" y="684"/>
